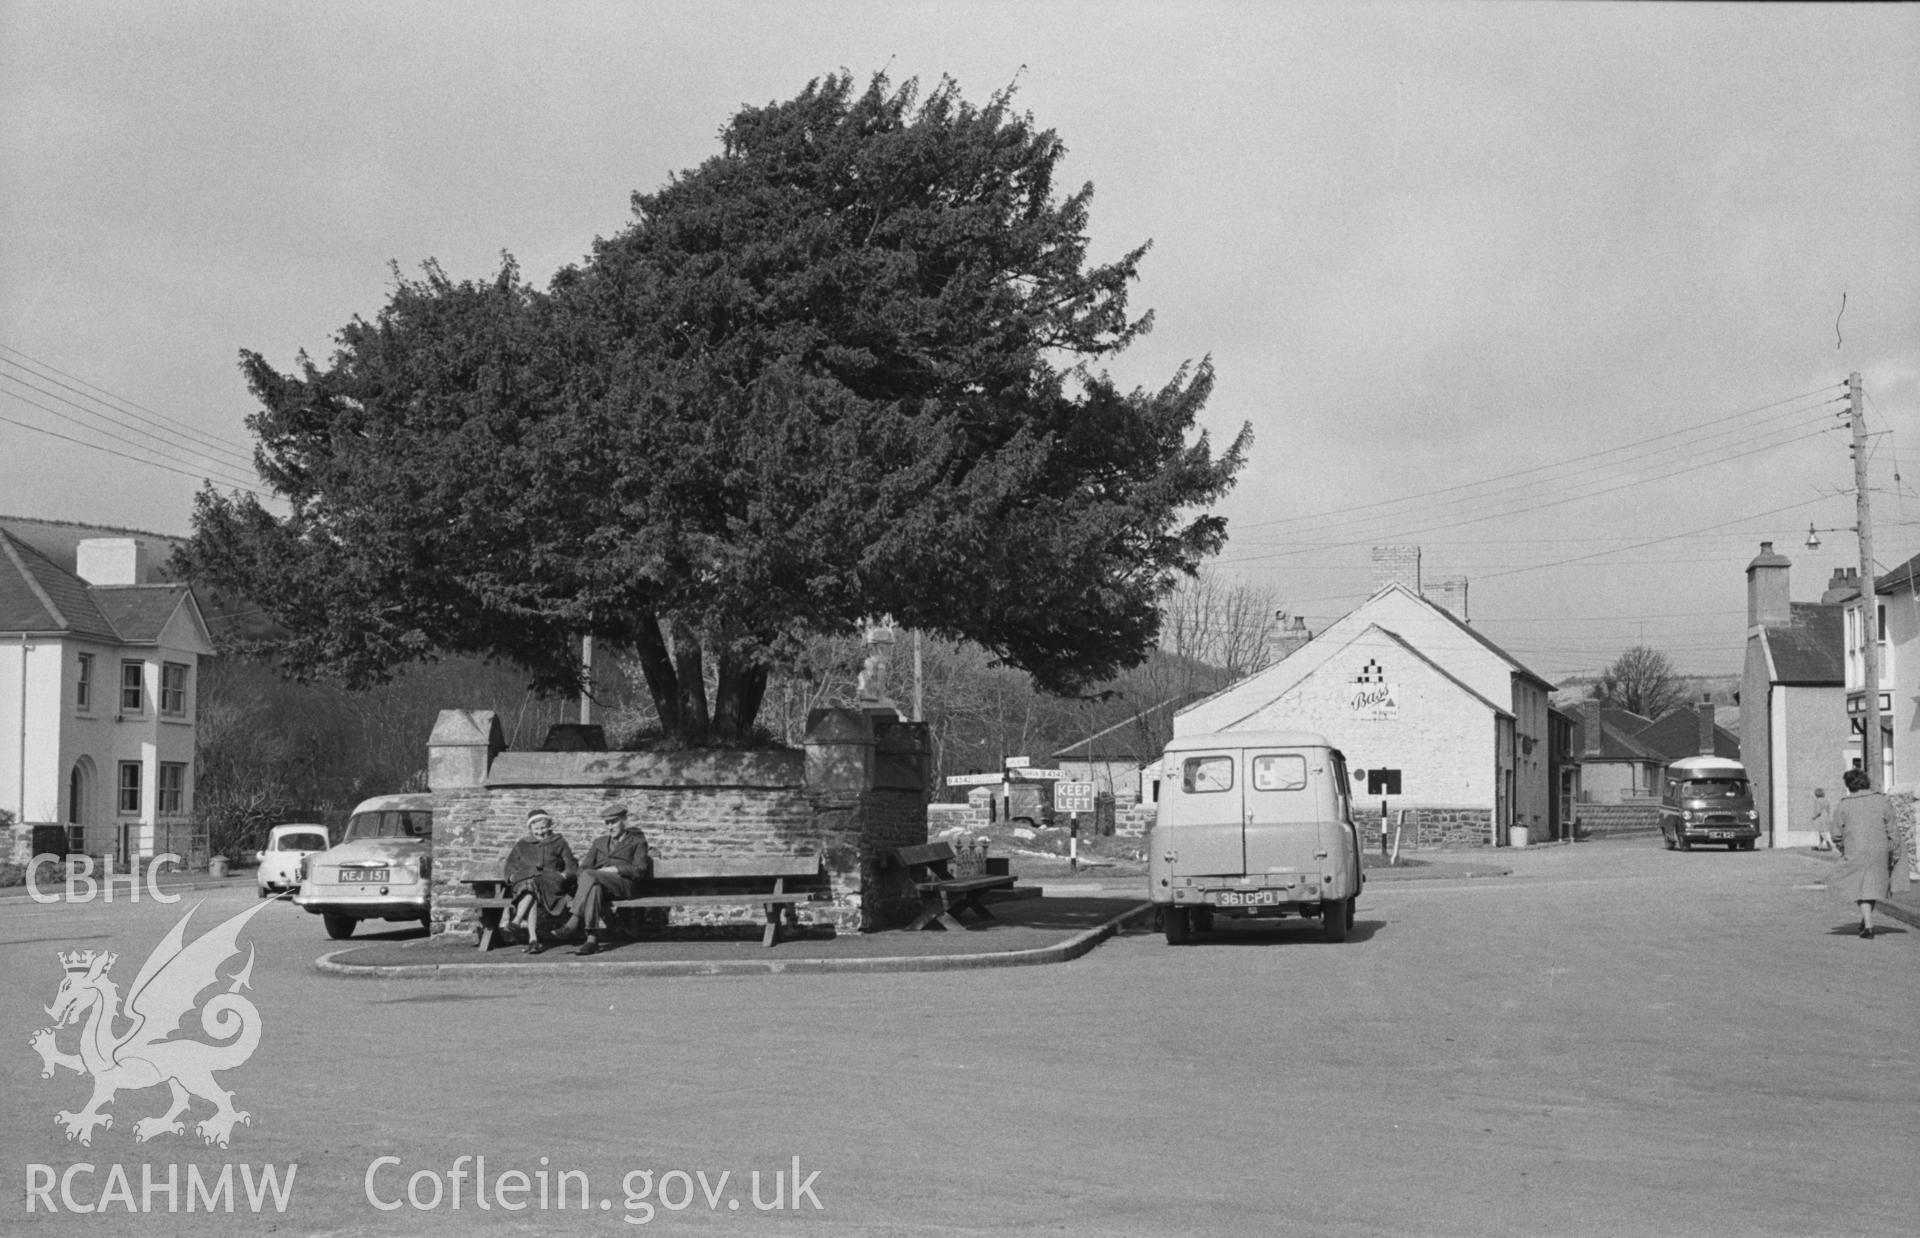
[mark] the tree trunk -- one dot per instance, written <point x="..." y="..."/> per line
<point x="677" y="681"/>
<point x="689" y="667"/>
<point x="737" y="697"/>
<point x="656" y="663"/>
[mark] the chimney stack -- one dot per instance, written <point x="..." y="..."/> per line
<point x="1450" y="593"/>
<point x="111" y="561"/>
<point x="1768" y="600"/>
<point x="1843" y="587"/>
<point x="1590" y="725"/>
<point x="1287" y="635"/>
<point x="1704" y="711"/>
<point x="1396" y="565"/>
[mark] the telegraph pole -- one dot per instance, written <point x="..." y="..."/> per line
<point x="1870" y="600"/>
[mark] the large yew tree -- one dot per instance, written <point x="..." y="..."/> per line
<point x="842" y="368"/>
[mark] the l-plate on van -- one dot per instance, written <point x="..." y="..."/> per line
<point x="1254" y="823"/>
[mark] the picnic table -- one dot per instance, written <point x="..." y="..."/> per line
<point x="943" y="896"/>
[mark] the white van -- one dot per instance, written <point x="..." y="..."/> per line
<point x="1254" y="823"/>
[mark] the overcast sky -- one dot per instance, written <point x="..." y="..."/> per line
<point x="1552" y="290"/>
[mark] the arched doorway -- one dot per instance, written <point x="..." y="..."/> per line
<point x="79" y="804"/>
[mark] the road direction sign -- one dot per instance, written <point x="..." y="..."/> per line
<point x="1073" y="797"/>
<point x="975" y="780"/>
<point x="1019" y="762"/>
<point x="1050" y="775"/>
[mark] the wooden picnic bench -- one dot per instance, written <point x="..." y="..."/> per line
<point x="766" y="880"/>
<point x="942" y="895"/>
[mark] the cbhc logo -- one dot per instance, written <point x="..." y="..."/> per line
<point x="82" y="887"/>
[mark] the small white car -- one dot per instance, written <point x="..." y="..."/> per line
<point x="287" y="847"/>
<point x="380" y="871"/>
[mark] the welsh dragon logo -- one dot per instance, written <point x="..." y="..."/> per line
<point x="147" y="1054"/>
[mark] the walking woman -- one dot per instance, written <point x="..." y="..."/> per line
<point x="1868" y="839"/>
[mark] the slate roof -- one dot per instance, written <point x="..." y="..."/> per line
<point x="38" y="596"/>
<point x="139" y="612"/>
<point x="1677" y="734"/>
<point x="1907" y="575"/>
<point x="1615" y="744"/>
<point x="1809" y="650"/>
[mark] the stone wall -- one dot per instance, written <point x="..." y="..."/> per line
<point x="854" y="792"/>
<point x="1134" y="820"/>
<point x="1446" y="827"/>
<point x="1617" y="820"/>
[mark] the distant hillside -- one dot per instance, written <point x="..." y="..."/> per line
<point x="59" y="540"/>
<point x="1722" y="689"/>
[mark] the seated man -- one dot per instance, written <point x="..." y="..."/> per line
<point x="615" y="866"/>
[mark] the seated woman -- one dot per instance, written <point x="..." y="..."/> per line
<point x="540" y="874"/>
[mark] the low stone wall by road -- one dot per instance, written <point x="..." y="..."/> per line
<point x="1453" y="828"/>
<point x="1617" y="820"/>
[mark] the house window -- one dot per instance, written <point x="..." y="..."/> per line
<point x="129" y="786"/>
<point x="83" y="685"/>
<point x="1383" y="782"/>
<point x="173" y="787"/>
<point x="133" y="678"/>
<point x="173" y="689"/>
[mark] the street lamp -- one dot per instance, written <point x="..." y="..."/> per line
<point x="1813" y="534"/>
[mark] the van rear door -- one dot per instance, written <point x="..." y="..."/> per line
<point x="1205" y="823"/>
<point x="1283" y="799"/>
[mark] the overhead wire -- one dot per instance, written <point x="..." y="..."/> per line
<point x="1556" y="464"/>
<point x="1502" y="512"/>
<point x="99" y="394"/>
<point x="110" y="451"/>
<point x="215" y="468"/>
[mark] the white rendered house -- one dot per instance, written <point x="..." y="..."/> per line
<point x="99" y="675"/>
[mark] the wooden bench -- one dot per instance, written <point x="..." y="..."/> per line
<point x="942" y="895"/>
<point x="766" y="880"/>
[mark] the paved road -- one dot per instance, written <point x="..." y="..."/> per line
<point x="1615" y="1040"/>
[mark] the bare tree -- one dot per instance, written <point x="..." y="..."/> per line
<point x="1225" y="625"/>
<point x="1643" y="681"/>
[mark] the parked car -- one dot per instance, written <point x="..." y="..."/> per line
<point x="288" y="847"/>
<point x="1707" y="800"/>
<point x="1254" y="824"/>
<point x="380" y="870"/>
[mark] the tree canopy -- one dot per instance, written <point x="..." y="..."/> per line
<point x="1643" y="681"/>
<point x="844" y="367"/>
